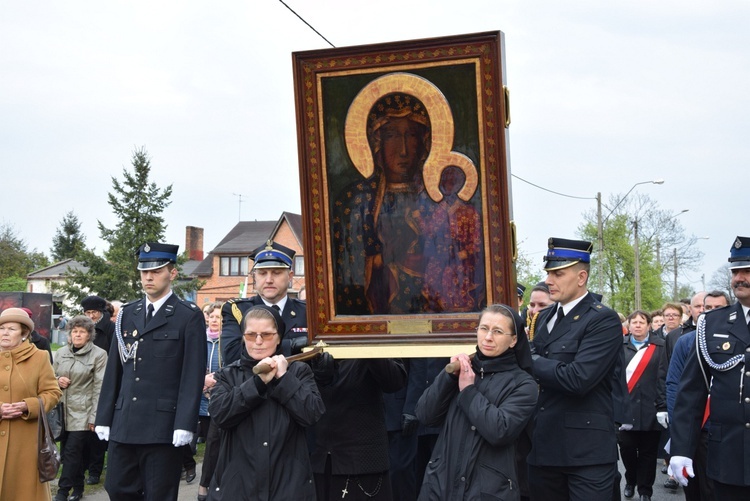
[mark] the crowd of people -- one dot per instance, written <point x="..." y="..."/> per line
<point x="551" y="398"/>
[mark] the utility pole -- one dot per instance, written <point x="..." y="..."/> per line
<point x="674" y="291"/>
<point x="600" y="238"/>
<point x="637" y="268"/>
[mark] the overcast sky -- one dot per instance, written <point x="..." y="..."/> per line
<point x="603" y="95"/>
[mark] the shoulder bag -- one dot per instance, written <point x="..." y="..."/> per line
<point x="48" y="461"/>
<point x="56" y="420"/>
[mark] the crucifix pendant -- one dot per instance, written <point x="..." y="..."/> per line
<point x="345" y="491"/>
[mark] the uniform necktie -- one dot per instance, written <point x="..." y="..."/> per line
<point x="560" y="316"/>
<point x="149" y="313"/>
<point x="276" y="307"/>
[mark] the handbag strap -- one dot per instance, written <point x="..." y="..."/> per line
<point x="44" y="430"/>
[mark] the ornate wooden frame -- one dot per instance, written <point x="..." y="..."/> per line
<point x="468" y="72"/>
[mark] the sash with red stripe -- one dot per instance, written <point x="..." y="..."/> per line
<point x="641" y="367"/>
<point x="707" y="411"/>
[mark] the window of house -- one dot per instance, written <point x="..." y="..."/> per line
<point x="299" y="266"/>
<point x="233" y="266"/>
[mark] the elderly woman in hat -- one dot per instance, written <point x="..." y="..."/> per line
<point x="26" y="376"/>
<point x="262" y="418"/>
<point x="482" y="407"/>
<point x="79" y="367"/>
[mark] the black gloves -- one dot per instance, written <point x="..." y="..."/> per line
<point x="323" y="368"/>
<point x="296" y="344"/>
<point x="409" y="424"/>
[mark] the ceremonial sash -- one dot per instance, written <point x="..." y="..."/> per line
<point x="645" y="357"/>
<point x="706" y="412"/>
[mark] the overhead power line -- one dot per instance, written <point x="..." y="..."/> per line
<point x="555" y="192"/>
<point x="308" y="24"/>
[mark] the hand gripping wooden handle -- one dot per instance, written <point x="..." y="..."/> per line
<point x="454" y="366"/>
<point x="300" y="357"/>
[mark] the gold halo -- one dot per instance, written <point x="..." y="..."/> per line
<point x="441" y="118"/>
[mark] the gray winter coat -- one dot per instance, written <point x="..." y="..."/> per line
<point x="85" y="369"/>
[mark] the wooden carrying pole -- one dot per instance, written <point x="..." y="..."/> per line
<point x="360" y="351"/>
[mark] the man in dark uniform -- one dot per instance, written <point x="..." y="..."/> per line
<point x="577" y="345"/>
<point x="272" y="273"/>
<point x="152" y="387"/>
<point x="720" y="359"/>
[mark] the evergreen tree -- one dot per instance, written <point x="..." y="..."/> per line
<point x="138" y="204"/>
<point x="68" y="241"/>
<point x="16" y="261"/>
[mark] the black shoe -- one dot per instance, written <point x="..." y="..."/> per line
<point x="629" y="491"/>
<point x="92" y="480"/>
<point x="664" y="469"/>
<point x="645" y="497"/>
<point x="190" y="474"/>
<point x="76" y="496"/>
<point x="202" y="497"/>
<point x="61" y="496"/>
<point x="671" y="484"/>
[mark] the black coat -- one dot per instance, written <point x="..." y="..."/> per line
<point x="105" y="332"/>
<point x="726" y="336"/>
<point x="160" y="391"/>
<point x="574" y="423"/>
<point x="352" y="431"/>
<point x="263" y="454"/>
<point x="232" y="312"/>
<point x="474" y="455"/>
<point x="649" y="393"/>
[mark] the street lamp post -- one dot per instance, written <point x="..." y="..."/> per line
<point x="674" y="257"/>
<point x="638" y="262"/>
<point x="600" y="234"/>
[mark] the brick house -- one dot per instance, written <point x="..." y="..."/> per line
<point x="227" y="266"/>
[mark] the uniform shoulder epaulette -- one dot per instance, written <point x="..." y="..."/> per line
<point x="188" y="304"/>
<point x="130" y="303"/>
<point x="236" y="300"/>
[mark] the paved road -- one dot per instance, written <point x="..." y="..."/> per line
<point x="189" y="492"/>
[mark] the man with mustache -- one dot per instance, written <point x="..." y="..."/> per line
<point x="719" y="362"/>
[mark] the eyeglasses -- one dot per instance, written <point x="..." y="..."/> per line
<point x="265" y="335"/>
<point x="671" y="315"/>
<point x="483" y="330"/>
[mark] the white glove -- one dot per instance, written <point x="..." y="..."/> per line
<point x="677" y="463"/>
<point x="182" y="437"/>
<point x="102" y="432"/>
<point x="663" y="419"/>
<point x="625" y="427"/>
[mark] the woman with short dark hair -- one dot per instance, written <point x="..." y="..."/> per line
<point x="79" y="367"/>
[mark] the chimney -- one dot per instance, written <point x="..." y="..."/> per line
<point x="194" y="243"/>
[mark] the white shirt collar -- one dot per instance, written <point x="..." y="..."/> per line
<point x="745" y="310"/>
<point x="280" y="304"/>
<point x="569" y="306"/>
<point x="159" y="303"/>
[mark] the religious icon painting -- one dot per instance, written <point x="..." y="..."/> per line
<point x="404" y="172"/>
